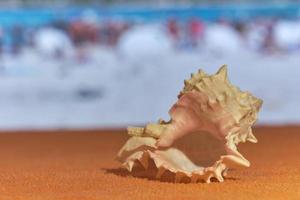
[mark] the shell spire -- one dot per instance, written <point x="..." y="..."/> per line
<point x="207" y="103"/>
<point x="222" y="73"/>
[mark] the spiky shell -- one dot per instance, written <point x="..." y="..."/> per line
<point x="207" y="103"/>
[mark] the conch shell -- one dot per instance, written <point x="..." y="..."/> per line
<point x="207" y="104"/>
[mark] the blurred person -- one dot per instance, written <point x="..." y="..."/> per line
<point x="60" y="24"/>
<point x="2" y="66"/>
<point x="269" y="45"/>
<point x="77" y="31"/>
<point x="29" y="36"/>
<point x="83" y="34"/>
<point x="173" y="29"/>
<point x="84" y="30"/>
<point x="17" y="38"/>
<point x="254" y="34"/>
<point x="1" y="40"/>
<point x="240" y="27"/>
<point x="195" y="31"/>
<point x="113" y="31"/>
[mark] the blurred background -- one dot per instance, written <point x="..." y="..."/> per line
<point x="113" y="63"/>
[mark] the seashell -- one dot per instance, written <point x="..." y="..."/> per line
<point x="210" y="109"/>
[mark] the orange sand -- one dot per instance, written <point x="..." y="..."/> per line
<point x="80" y="165"/>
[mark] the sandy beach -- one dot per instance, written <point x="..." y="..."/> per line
<point x="81" y="165"/>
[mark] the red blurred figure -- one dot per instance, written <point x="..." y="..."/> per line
<point x="82" y="32"/>
<point x="195" y="31"/>
<point x="173" y="29"/>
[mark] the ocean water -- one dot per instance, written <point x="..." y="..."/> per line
<point x="42" y="15"/>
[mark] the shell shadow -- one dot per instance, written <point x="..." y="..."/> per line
<point x="150" y="174"/>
